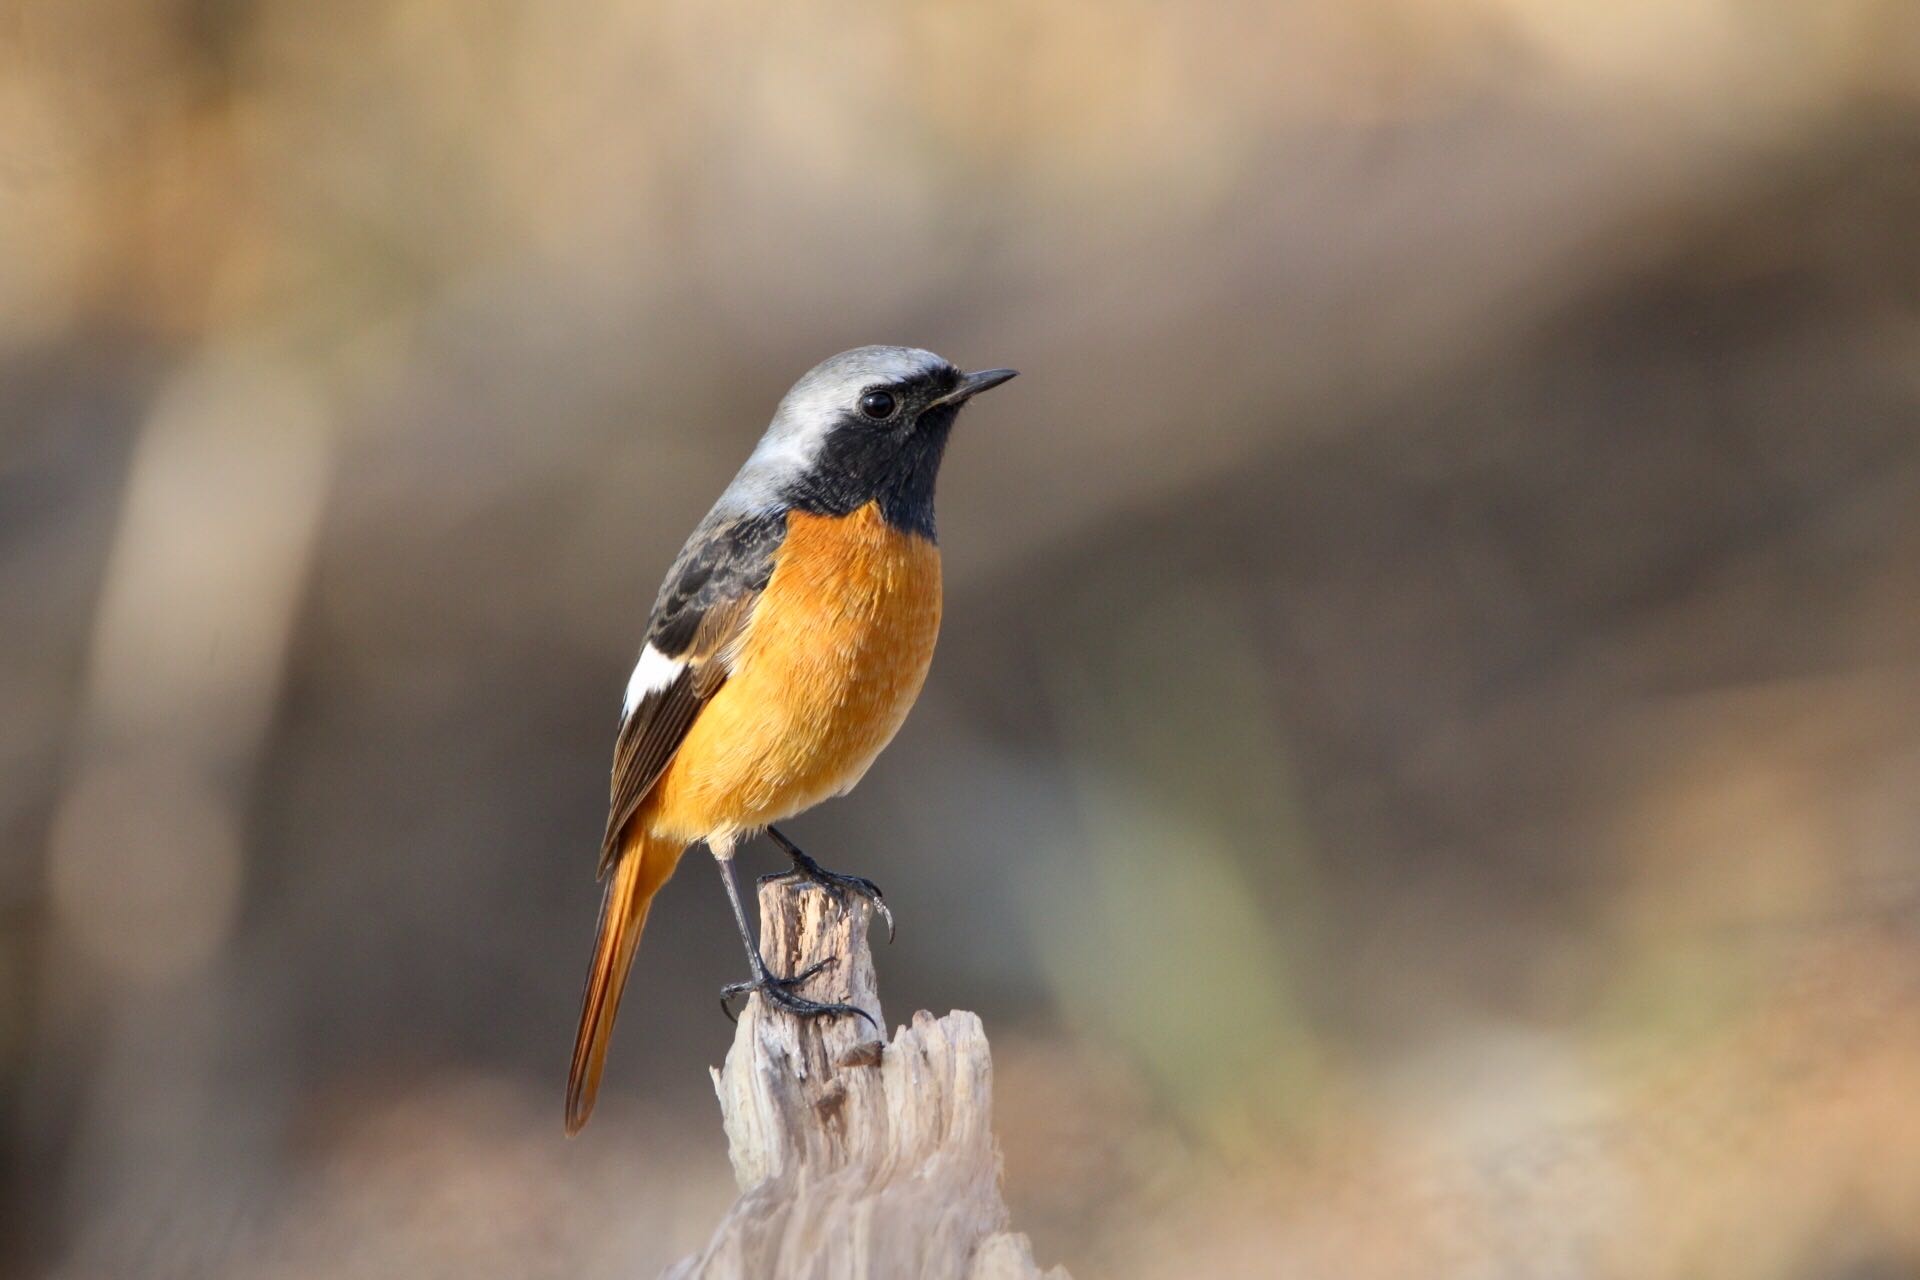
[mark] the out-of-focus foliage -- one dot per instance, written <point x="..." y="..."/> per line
<point x="1422" y="774"/>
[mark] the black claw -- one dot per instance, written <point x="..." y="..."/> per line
<point x="838" y="886"/>
<point x="780" y="992"/>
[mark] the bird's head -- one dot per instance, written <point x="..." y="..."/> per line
<point x="867" y="425"/>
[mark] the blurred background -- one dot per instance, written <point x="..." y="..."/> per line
<point x="1422" y="773"/>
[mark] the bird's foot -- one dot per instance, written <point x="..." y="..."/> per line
<point x="780" y="991"/>
<point x="838" y="886"/>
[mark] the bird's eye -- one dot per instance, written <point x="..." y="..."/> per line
<point x="878" y="405"/>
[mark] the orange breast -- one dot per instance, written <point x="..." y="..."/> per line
<point x="828" y="667"/>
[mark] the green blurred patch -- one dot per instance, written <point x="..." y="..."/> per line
<point x="1181" y="927"/>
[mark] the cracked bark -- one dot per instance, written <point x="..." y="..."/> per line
<point x="854" y="1157"/>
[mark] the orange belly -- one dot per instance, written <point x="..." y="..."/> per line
<point x="827" y="669"/>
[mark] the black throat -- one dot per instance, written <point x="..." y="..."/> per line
<point x="861" y="463"/>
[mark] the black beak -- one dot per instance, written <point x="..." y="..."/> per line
<point x="972" y="384"/>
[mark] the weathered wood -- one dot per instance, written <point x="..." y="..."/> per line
<point x="856" y="1158"/>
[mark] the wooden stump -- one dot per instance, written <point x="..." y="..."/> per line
<point x="856" y="1157"/>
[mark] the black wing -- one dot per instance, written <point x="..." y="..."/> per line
<point x="702" y="609"/>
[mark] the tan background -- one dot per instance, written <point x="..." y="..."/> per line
<point x="1422" y="775"/>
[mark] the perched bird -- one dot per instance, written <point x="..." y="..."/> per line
<point x="786" y="646"/>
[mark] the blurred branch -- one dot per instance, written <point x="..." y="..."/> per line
<point x="855" y="1157"/>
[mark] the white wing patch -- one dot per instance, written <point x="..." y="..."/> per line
<point x="655" y="670"/>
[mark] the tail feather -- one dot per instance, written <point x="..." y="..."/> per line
<point x="643" y="866"/>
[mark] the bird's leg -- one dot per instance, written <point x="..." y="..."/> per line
<point x="778" y="990"/>
<point x="837" y="885"/>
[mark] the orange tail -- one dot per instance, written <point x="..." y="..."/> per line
<point x="642" y="867"/>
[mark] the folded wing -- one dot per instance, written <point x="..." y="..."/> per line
<point x="702" y="611"/>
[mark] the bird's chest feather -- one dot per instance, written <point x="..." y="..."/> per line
<point x="829" y="665"/>
<point x="849" y="619"/>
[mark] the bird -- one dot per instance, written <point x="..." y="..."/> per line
<point x="788" y="641"/>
